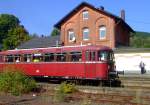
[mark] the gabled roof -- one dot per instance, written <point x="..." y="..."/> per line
<point x="76" y="9"/>
<point x="40" y="42"/>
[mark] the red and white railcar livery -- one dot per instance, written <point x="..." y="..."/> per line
<point x="74" y="62"/>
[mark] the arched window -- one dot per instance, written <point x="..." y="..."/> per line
<point x="85" y="33"/>
<point x="102" y="32"/>
<point x="85" y="15"/>
<point x="71" y="35"/>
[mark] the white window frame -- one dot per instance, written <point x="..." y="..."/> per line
<point x="70" y="32"/>
<point x="101" y="29"/>
<point x="85" y="30"/>
<point x="85" y="15"/>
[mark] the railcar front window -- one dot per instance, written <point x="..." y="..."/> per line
<point x="105" y="56"/>
<point x="102" y="55"/>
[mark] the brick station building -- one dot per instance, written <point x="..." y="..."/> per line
<point x="88" y="25"/>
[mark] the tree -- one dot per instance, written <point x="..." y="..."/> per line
<point x="11" y="32"/>
<point x="55" y="32"/>
<point x="15" y="37"/>
<point x="140" y="40"/>
<point x="7" y="22"/>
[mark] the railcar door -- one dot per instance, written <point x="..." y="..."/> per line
<point x="90" y="65"/>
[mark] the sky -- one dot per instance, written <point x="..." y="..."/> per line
<point x="39" y="16"/>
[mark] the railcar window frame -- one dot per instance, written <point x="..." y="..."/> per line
<point x="27" y="57"/>
<point x="111" y="56"/>
<point x="61" y="57"/>
<point x="93" y="56"/>
<point x="90" y="55"/>
<point x="107" y="55"/>
<point x="17" y="58"/>
<point x="9" y="60"/>
<point x="87" y="55"/>
<point x="37" y="57"/>
<point x="75" y="56"/>
<point x="1" y="58"/>
<point x="49" y="56"/>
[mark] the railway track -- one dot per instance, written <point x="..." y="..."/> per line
<point x="135" y="81"/>
<point x="136" y="77"/>
<point x="109" y="95"/>
<point x="135" y="90"/>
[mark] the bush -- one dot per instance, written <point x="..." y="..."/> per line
<point x="67" y="87"/>
<point x="15" y="82"/>
<point x="64" y="89"/>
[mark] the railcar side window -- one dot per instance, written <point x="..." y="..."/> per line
<point x="76" y="56"/>
<point x="61" y="57"/>
<point x="37" y="57"/>
<point x="17" y="58"/>
<point x="49" y="57"/>
<point x="1" y="58"/>
<point x="9" y="58"/>
<point x="93" y="56"/>
<point x="27" y="57"/>
<point x="87" y="55"/>
<point x="90" y="56"/>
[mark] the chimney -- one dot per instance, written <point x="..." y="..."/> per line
<point x="101" y="8"/>
<point x="122" y="15"/>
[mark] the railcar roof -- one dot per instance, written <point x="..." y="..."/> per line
<point x="56" y="49"/>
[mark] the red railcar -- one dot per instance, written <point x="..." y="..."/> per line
<point x="73" y="62"/>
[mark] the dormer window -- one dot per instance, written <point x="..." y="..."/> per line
<point x="71" y="35"/>
<point x="85" y="15"/>
<point x="102" y="32"/>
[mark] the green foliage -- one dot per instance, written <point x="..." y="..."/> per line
<point x="15" y="82"/>
<point x="67" y="87"/>
<point x="55" y="32"/>
<point x="64" y="89"/>
<point x="11" y="32"/>
<point x="140" y="40"/>
<point x="16" y="36"/>
<point x="7" y="22"/>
